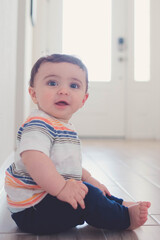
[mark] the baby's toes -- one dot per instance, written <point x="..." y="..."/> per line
<point x="145" y="204"/>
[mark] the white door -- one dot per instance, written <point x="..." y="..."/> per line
<point x="127" y="103"/>
<point x="104" y="112"/>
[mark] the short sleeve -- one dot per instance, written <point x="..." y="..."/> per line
<point x="35" y="140"/>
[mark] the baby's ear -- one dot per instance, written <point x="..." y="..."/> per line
<point x="32" y="93"/>
<point x="85" y="98"/>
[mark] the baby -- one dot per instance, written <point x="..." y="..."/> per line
<point x="48" y="190"/>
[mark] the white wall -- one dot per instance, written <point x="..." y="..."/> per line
<point x="15" y="65"/>
<point x="8" y="47"/>
<point x="24" y="62"/>
<point x="155" y="58"/>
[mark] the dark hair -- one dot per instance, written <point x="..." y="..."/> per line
<point x="58" y="58"/>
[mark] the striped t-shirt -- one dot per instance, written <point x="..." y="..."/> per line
<point x="57" y="140"/>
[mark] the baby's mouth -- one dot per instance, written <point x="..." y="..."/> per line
<point x="62" y="103"/>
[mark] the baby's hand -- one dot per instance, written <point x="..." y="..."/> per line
<point x="74" y="193"/>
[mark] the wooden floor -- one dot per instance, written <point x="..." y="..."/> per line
<point x="130" y="169"/>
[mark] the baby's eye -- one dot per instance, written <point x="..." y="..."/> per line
<point x="74" y="85"/>
<point x="52" y="83"/>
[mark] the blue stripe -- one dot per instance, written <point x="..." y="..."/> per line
<point x="50" y="129"/>
<point x="25" y="179"/>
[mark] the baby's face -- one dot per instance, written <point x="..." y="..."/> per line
<point x="59" y="89"/>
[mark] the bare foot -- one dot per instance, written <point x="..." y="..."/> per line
<point x="138" y="214"/>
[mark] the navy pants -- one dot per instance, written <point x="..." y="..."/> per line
<point x="52" y="215"/>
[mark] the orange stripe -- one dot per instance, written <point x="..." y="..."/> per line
<point x="27" y="202"/>
<point x="55" y="123"/>
<point x="12" y="181"/>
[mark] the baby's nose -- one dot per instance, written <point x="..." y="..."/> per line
<point x="63" y="90"/>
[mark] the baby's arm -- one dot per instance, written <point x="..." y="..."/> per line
<point x="44" y="173"/>
<point x="86" y="176"/>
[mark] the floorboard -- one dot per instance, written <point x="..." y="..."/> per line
<point x="130" y="169"/>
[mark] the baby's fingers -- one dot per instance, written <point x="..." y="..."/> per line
<point x="74" y="203"/>
<point x="82" y="193"/>
<point x="78" y="200"/>
<point x="81" y="202"/>
<point x="85" y="189"/>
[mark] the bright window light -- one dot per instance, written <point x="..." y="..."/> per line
<point x="142" y="40"/>
<point x="87" y="34"/>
